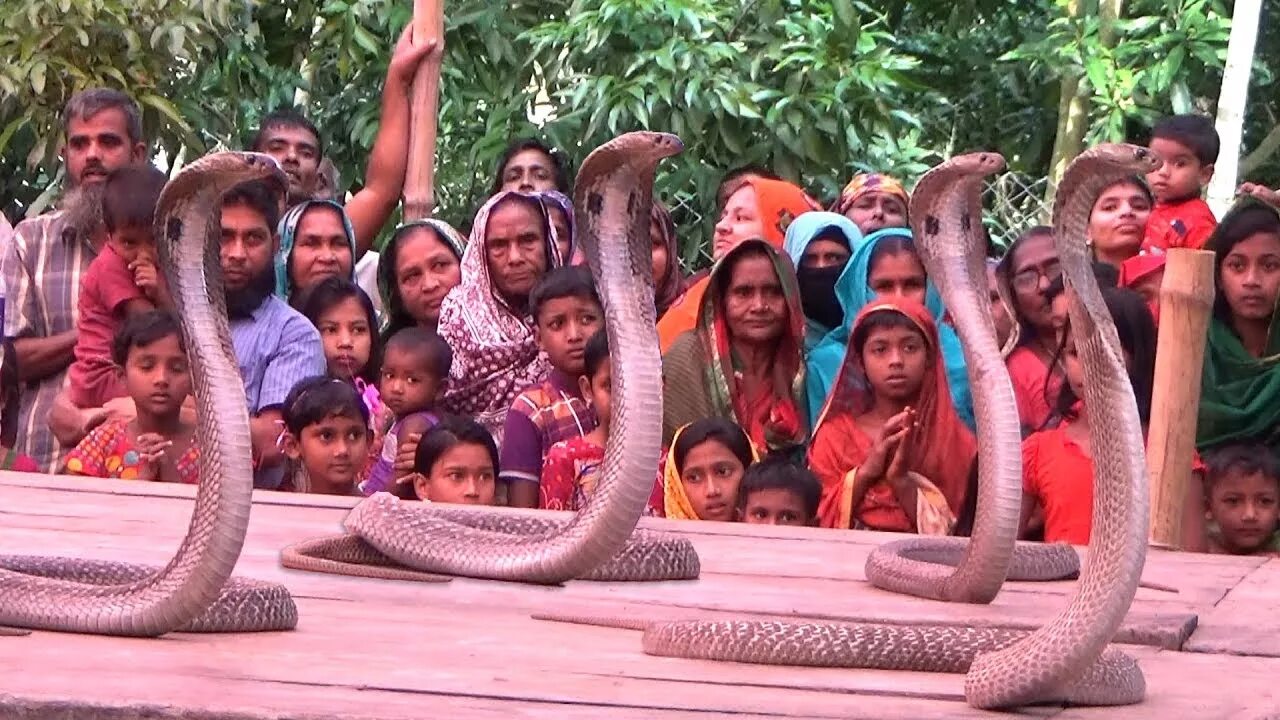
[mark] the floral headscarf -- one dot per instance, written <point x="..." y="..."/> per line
<point x="397" y="317"/>
<point x="561" y="201"/>
<point x="288" y="231"/>
<point x="673" y="285"/>
<point x="495" y="353"/>
<point x="865" y="183"/>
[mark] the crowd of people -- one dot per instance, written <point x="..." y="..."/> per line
<point x="811" y="375"/>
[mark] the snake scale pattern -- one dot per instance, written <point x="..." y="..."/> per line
<point x="195" y="591"/>
<point x="388" y="537"/>
<point x="1068" y="659"/>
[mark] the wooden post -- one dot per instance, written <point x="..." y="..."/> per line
<point x="1186" y="300"/>
<point x="419" y="180"/>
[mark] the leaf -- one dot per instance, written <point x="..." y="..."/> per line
<point x="38" y="76"/>
<point x="164" y="107"/>
<point x="366" y="41"/>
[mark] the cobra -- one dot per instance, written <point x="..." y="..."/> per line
<point x="195" y="591"/>
<point x="612" y="198"/>
<point x="1068" y="659"/>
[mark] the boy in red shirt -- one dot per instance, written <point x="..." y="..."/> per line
<point x="1188" y="144"/>
<point x="123" y="280"/>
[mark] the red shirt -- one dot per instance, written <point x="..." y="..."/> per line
<point x="105" y="290"/>
<point x="1186" y="224"/>
<point x="1028" y="373"/>
<point x="1059" y="475"/>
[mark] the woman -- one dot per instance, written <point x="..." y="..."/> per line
<point x="885" y="266"/>
<point x="820" y="245"/>
<point x="1119" y="221"/>
<point x="317" y="241"/>
<point x="745" y="359"/>
<point x="1240" y="389"/>
<point x="419" y="266"/>
<point x="530" y="166"/>
<point x="890" y="450"/>
<point x="757" y="209"/>
<point x="873" y="202"/>
<point x="486" y="319"/>
<point x="668" y="277"/>
<point x="1027" y="270"/>
<point x="563" y="230"/>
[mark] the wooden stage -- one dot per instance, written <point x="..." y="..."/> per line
<point x="469" y="649"/>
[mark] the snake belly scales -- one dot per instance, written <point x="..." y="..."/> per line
<point x="390" y="538"/>
<point x="195" y="591"/>
<point x="1068" y="659"/>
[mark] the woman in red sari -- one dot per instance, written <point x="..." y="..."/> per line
<point x="890" y="449"/>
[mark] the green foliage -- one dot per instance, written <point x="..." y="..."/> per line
<point x="816" y="89"/>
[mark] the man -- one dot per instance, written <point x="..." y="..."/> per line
<point x="43" y="264"/>
<point x="295" y="143"/>
<point x="275" y="344"/>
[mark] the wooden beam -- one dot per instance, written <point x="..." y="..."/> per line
<point x="1186" y="300"/>
<point x="419" y="181"/>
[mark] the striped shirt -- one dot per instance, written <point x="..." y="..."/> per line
<point x="275" y="349"/>
<point x="42" y="269"/>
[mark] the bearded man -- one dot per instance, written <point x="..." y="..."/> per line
<point x="43" y="264"/>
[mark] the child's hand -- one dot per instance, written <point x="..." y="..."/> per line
<point x="405" y="454"/>
<point x="151" y="449"/>
<point x="901" y="462"/>
<point x="145" y="275"/>
<point x="878" y="460"/>
<point x="1261" y="192"/>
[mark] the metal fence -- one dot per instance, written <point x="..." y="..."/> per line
<point x="1013" y="203"/>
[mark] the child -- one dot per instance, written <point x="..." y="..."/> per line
<point x="567" y="311"/>
<point x="572" y="467"/>
<point x="415" y="364"/>
<point x="121" y="281"/>
<point x="1243" y="493"/>
<point x="890" y="449"/>
<point x="328" y="436"/>
<point x="156" y="444"/>
<point x="345" y="317"/>
<point x="703" y="470"/>
<point x="776" y="491"/>
<point x="1057" y="465"/>
<point x="1188" y="144"/>
<point x="456" y="462"/>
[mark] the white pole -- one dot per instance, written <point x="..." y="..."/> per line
<point x="1231" y="102"/>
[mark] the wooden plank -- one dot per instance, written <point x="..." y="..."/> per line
<point x="469" y="648"/>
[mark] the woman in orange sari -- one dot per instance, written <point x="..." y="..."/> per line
<point x="890" y="450"/>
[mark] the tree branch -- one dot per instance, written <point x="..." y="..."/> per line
<point x="1262" y="153"/>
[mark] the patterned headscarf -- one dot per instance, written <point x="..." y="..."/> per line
<point x="781" y="421"/>
<point x="288" y="231"/>
<point x="397" y="317"/>
<point x="673" y="284"/>
<point x="562" y="201"/>
<point x="864" y="183"/>
<point x="495" y="352"/>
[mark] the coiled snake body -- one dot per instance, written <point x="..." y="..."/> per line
<point x="391" y="538"/>
<point x="1068" y="658"/>
<point x="195" y="591"/>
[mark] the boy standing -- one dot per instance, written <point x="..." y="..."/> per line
<point x="1188" y="144"/>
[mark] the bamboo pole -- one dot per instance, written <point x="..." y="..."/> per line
<point x="420" y="176"/>
<point x="1186" y="300"/>
<point x="1231" y="102"/>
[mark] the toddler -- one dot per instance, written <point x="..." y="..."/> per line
<point x="415" y="365"/>
<point x="1188" y="144"/>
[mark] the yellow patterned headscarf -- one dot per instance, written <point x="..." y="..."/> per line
<point x="864" y="183"/>
<point x="675" y="501"/>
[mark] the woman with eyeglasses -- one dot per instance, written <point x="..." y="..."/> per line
<point x="1027" y="270"/>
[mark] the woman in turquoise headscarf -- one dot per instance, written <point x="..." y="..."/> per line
<point x="820" y="245"/>
<point x="316" y="242"/>
<point x="885" y="264"/>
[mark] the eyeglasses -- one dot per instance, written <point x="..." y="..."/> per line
<point x="1029" y="279"/>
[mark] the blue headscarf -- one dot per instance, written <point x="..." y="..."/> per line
<point x="288" y="231"/>
<point x="800" y="234"/>
<point x="854" y="293"/>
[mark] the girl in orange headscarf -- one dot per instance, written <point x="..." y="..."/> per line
<point x="890" y="450"/>
<point x="758" y="209"/>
